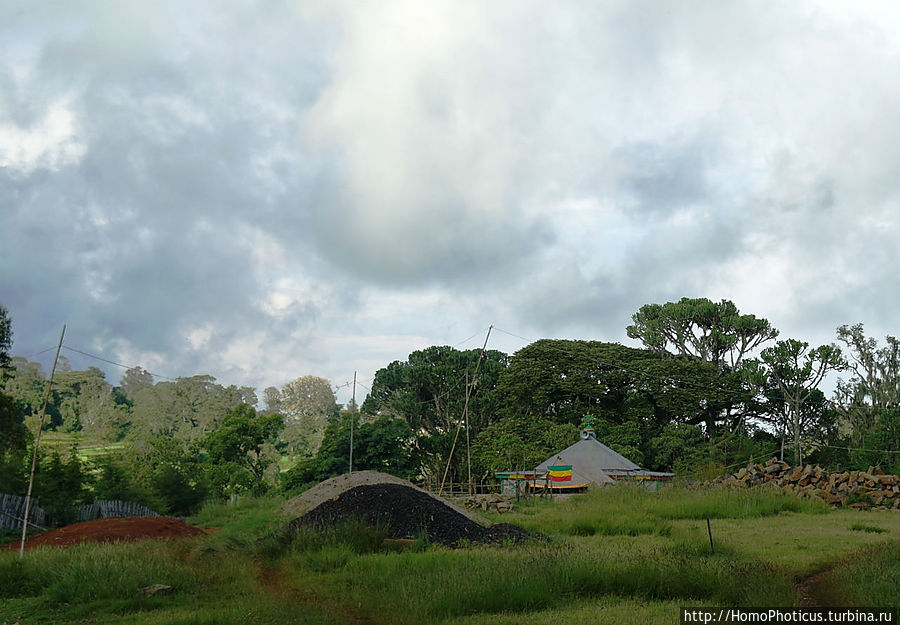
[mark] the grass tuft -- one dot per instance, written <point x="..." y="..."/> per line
<point x="872" y="529"/>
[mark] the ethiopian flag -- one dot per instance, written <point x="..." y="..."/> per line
<point x="560" y="473"/>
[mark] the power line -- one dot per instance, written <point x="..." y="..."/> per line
<point x="43" y="351"/>
<point x="876" y="451"/>
<point x="480" y="332"/>
<point x="118" y="364"/>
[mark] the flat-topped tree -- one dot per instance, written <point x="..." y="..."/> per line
<point x="714" y="332"/>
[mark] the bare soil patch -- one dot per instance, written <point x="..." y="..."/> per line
<point x="114" y="529"/>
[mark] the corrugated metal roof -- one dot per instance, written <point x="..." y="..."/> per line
<point x="591" y="461"/>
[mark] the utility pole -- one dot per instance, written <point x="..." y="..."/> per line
<point x="466" y="415"/>
<point x="468" y="452"/>
<point x="352" y="418"/>
<point x="37" y="442"/>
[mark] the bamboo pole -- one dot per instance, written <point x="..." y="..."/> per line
<point x="37" y="442"/>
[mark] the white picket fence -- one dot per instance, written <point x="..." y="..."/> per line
<point x="12" y="511"/>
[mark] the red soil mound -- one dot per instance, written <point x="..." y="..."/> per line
<point x="113" y="530"/>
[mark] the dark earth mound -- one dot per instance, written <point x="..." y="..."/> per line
<point x="406" y="513"/>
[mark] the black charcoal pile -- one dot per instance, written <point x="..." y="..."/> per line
<point x="406" y="512"/>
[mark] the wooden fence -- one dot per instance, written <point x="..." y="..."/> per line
<point x="12" y="511"/>
<point x="456" y="489"/>
<point x="102" y="509"/>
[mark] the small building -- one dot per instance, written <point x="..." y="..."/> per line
<point x="595" y="464"/>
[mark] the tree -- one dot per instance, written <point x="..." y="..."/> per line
<point x="428" y="390"/>
<point x="13" y="434"/>
<point x="62" y="486"/>
<point x="874" y="388"/>
<point x="242" y="450"/>
<point x="385" y="444"/>
<point x="114" y="482"/>
<point x="5" y="341"/>
<point x="308" y="403"/>
<point x="709" y="331"/>
<point x="797" y="371"/>
<point x="679" y="446"/>
<point x="134" y="380"/>
<point x="170" y="471"/>
<point x="14" y="438"/>
<point x="518" y="442"/>
<point x="637" y="392"/>
<point x="26" y="383"/>
<point x="272" y="397"/>
<point x="83" y="400"/>
<point x="187" y="409"/>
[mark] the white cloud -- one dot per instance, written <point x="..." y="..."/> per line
<point x="51" y="142"/>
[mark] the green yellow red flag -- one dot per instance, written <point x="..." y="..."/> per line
<point x="560" y="472"/>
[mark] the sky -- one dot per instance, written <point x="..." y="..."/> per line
<point x="264" y="190"/>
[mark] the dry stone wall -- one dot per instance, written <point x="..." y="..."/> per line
<point x="856" y="489"/>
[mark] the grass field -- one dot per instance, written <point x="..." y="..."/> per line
<point x="616" y="556"/>
<point x="88" y="449"/>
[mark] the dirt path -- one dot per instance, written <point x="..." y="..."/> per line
<point x="271" y="579"/>
<point x="814" y="591"/>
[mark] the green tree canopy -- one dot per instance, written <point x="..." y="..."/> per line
<point x="519" y="443"/>
<point x="872" y="392"/>
<point x="135" y="379"/>
<point x="308" y="404"/>
<point x="187" y="409"/>
<point x="5" y="341"/>
<point x="242" y="450"/>
<point x="797" y="371"/>
<point x="700" y="328"/>
<point x="428" y="390"/>
<point x="385" y="444"/>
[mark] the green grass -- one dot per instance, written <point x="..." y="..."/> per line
<point x="870" y="577"/>
<point x="862" y="527"/>
<point x="248" y="520"/>
<point x="633" y="511"/>
<point x="618" y="555"/>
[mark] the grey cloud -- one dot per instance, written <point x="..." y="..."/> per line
<point x="378" y="160"/>
<point x="665" y="176"/>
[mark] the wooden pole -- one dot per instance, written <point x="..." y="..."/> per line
<point x="709" y="531"/>
<point x="465" y="412"/>
<point x="37" y="442"/>
<point x="352" y="415"/>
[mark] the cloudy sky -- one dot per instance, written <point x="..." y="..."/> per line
<point x="263" y="190"/>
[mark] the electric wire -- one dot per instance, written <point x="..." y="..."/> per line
<point x="118" y="364"/>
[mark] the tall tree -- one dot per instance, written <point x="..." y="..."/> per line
<point x="26" y="383"/>
<point x="5" y="341"/>
<point x="188" y="408"/>
<point x="385" y="444"/>
<point x="134" y="380"/>
<point x="13" y="434"/>
<point x="83" y="400"/>
<point x="519" y="443"/>
<point x="797" y="371"/>
<point x="429" y="389"/>
<point x="242" y="450"/>
<point x="709" y="331"/>
<point x="308" y="404"/>
<point x="272" y="397"/>
<point x="14" y="439"/>
<point x="873" y="387"/>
